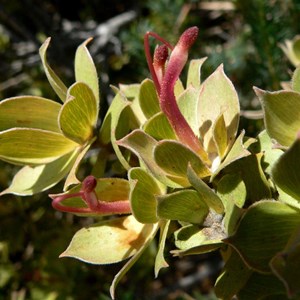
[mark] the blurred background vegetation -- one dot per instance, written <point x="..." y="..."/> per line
<point x="244" y="35"/>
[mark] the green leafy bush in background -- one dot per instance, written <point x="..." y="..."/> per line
<point x="172" y="160"/>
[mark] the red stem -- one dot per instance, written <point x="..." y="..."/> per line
<point x="89" y="196"/>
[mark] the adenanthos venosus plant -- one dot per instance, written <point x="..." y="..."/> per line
<point x="183" y="161"/>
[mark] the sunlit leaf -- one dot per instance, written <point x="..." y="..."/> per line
<point x="109" y="241"/>
<point x="160" y="261"/>
<point x="281" y="114"/>
<point x="132" y="260"/>
<point x="174" y="158"/>
<point x="33" y="146"/>
<point x="131" y="92"/>
<point x="264" y="231"/>
<point x="159" y="127"/>
<point x="265" y="145"/>
<point x="32" y="180"/>
<point x="188" y="103"/>
<point x="191" y="239"/>
<point x="56" y="83"/>
<point x="206" y="193"/>
<point x="236" y="152"/>
<point x="232" y="191"/>
<point x="220" y="136"/>
<point x="142" y="145"/>
<point x="72" y="178"/>
<point x="29" y="112"/>
<point x="142" y="196"/>
<point x="79" y="113"/>
<point x="184" y="205"/>
<point x="217" y="96"/>
<point x="115" y="125"/>
<point x="148" y="99"/>
<point x="85" y="70"/>
<point x="194" y="72"/>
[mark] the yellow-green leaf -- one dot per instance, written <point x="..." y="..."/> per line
<point x="217" y="96"/>
<point x="194" y="72"/>
<point x="206" y="193"/>
<point x="85" y="70"/>
<point x="115" y="125"/>
<point x="174" y="158"/>
<point x="56" y="83"/>
<point x="29" y="112"/>
<point x="148" y="98"/>
<point x="281" y="114"/>
<point x="133" y="259"/>
<point x="184" y="205"/>
<point x="142" y="196"/>
<point x="109" y="241"/>
<point x="32" y="180"/>
<point x="79" y="113"/>
<point x="33" y="146"/>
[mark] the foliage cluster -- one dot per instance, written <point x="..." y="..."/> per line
<point x="205" y="198"/>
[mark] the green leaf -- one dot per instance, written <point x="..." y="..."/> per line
<point x="131" y="92"/>
<point x="194" y="72"/>
<point x="206" y="193"/>
<point x="191" y="239"/>
<point x="296" y="80"/>
<point x="33" y="146"/>
<point x="174" y="158"/>
<point x="236" y="152"/>
<point x="29" y="112"/>
<point x="251" y="172"/>
<point x="217" y="96"/>
<point x="71" y="178"/>
<point x="188" y="103"/>
<point x="85" y="70"/>
<point x="262" y="286"/>
<point x="109" y="241"/>
<point x="184" y="205"/>
<point x="79" y="113"/>
<point x="33" y="180"/>
<point x="264" y="231"/>
<point x="286" y="171"/>
<point x="132" y="260"/>
<point x="281" y="114"/>
<point x="220" y="136"/>
<point x="286" y="265"/>
<point x="233" y="278"/>
<point x="57" y="85"/>
<point x="115" y="126"/>
<point x="142" y="196"/>
<point x="160" y="261"/>
<point x="159" y="127"/>
<point x="148" y="99"/>
<point x="142" y="145"/>
<point x="232" y="191"/>
<point x="265" y="145"/>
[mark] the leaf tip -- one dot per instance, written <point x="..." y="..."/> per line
<point x="259" y="92"/>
